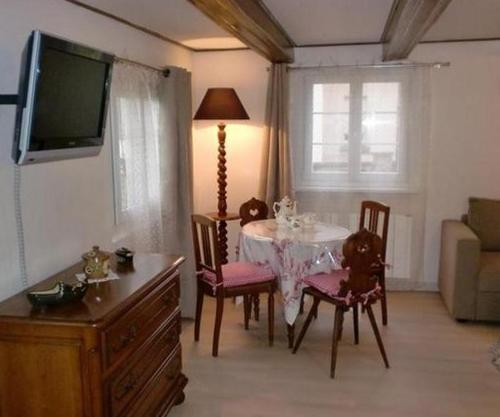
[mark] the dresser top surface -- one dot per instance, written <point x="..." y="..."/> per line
<point x="102" y="299"/>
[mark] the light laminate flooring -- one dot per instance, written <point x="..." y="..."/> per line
<point x="439" y="368"/>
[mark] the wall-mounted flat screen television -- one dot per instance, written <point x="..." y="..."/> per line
<point x="63" y="100"/>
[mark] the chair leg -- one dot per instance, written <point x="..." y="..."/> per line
<point x="306" y="324"/>
<point x="339" y="314"/>
<point x="341" y="326"/>
<point x="377" y="334"/>
<point x="199" y="308"/>
<point x="246" y="309"/>
<point x="270" y="316"/>
<point x="290" y="330"/>
<point x="301" y="308"/>
<point x="383" y="300"/>
<point x="256" y="306"/>
<point x="355" y="317"/>
<point x="218" y="320"/>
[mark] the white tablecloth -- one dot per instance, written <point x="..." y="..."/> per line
<point x="292" y="254"/>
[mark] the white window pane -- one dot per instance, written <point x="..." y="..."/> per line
<point x="380" y="118"/>
<point x="330" y="158"/>
<point x="331" y="98"/>
<point x="331" y="128"/>
<point x="380" y="97"/>
<point x="379" y="158"/>
<point x="380" y="128"/>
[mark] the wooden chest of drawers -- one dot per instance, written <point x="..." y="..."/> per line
<point x="116" y="354"/>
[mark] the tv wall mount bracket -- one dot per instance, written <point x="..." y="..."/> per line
<point x="9" y="99"/>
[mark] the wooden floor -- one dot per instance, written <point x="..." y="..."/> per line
<point x="438" y="367"/>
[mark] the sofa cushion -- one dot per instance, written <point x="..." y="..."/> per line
<point x="484" y="220"/>
<point x="489" y="271"/>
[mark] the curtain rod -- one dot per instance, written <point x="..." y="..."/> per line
<point x="381" y="65"/>
<point x="164" y="71"/>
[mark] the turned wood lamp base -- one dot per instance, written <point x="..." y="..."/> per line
<point x="222" y="216"/>
<point x="221" y="104"/>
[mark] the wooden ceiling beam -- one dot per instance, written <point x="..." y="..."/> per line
<point x="406" y="25"/>
<point x="251" y="22"/>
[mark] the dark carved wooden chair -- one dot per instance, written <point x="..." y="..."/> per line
<point x="251" y="211"/>
<point x="357" y="283"/>
<point x="369" y="219"/>
<point x="226" y="281"/>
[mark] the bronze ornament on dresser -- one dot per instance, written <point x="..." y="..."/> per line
<point x="114" y="354"/>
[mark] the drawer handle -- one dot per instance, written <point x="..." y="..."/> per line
<point x="126" y="339"/>
<point x="126" y="387"/>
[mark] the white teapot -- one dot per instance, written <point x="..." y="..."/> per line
<point x="284" y="209"/>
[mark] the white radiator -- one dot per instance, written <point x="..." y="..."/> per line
<point x="399" y="239"/>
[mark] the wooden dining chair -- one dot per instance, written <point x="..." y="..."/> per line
<point x="357" y="283"/>
<point x="225" y="281"/>
<point x="369" y="219"/>
<point x="250" y="211"/>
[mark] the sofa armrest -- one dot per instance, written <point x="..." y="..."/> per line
<point x="458" y="268"/>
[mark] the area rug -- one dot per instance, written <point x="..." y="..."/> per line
<point x="495" y="352"/>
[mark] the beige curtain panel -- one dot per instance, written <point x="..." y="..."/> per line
<point x="277" y="178"/>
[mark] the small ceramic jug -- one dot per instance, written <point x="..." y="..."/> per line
<point x="96" y="263"/>
<point x="284" y="209"/>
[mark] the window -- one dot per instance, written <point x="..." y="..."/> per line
<point x="351" y="130"/>
<point x="136" y="153"/>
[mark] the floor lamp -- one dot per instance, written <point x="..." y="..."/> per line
<point x="221" y="104"/>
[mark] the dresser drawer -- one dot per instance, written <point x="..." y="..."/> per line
<point x="131" y="379"/>
<point x="160" y="392"/>
<point x="127" y="333"/>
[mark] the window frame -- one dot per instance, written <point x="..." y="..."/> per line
<point x="354" y="179"/>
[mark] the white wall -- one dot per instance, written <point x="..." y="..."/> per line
<point x="465" y="127"/>
<point x="464" y="151"/>
<point x="67" y="205"/>
<point x="247" y="73"/>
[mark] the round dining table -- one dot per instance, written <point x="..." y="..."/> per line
<point x="292" y="254"/>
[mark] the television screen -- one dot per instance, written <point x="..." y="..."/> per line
<point x="65" y="89"/>
<point x="69" y="100"/>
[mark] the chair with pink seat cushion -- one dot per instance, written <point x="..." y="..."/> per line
<point x="357" y="283"/>
<point x="250" y="211"/>
<point x="226" y="281"/>
<point x="371" y="212"/>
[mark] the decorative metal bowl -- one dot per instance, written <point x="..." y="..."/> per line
<point x="60" y="293"/>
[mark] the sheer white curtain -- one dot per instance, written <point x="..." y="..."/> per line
<point x="151" y="133"/>
<point x="361" y="134"/>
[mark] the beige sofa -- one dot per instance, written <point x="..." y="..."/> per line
<point x="469" y="269"/>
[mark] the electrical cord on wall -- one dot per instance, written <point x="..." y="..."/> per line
<point x="20" y="227"/>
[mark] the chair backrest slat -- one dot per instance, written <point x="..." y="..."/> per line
<point x="370" y="213"/>
<point x="206" y="246"/>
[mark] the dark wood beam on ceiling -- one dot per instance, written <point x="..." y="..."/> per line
<point x="251" y="22"/>
<point x="407" y="23"/>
